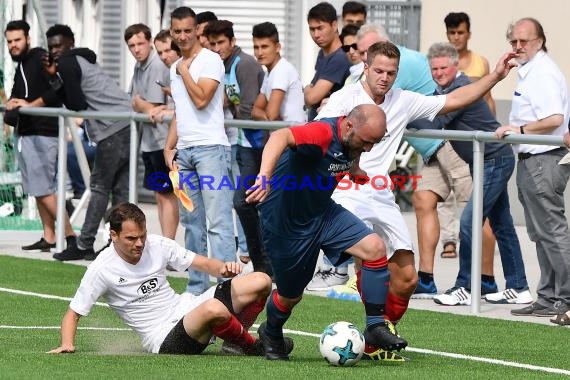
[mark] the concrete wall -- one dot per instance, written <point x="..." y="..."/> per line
<point x="489" y="22"/>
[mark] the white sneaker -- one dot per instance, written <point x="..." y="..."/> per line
<point x="511" y="296"/>
<point x="454" y="297"/>
<point x="327" y="278"/>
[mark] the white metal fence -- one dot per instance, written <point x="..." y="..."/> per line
<point x="478" y="138"/>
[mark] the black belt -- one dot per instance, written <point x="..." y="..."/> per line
<point x="524" y="156"/>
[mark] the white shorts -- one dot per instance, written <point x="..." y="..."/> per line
<point x="186" y="303"/>
<point x="378" y="209"/>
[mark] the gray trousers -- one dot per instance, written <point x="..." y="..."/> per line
<point x="541" y="183"/>
<point x="109" y="178"/>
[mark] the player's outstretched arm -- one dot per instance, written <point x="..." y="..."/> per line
<point x="215" y="267"/>
<point x="276" y="145"/>
<point x="68" y="330"/>
<point x="466" y="95"/>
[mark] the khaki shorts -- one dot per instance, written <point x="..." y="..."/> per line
<point x="445" y="173"/>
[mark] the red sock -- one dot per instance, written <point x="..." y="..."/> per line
<point x="395" y="307"/>
<point x="232" y="331"/>
<point x="250" y="313"/>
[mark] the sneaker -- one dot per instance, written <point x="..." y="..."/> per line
<point x="256" y="350"/>
<point x="558" y="308"/>
<point x="327" y="278"/>
<point x="347" y="292"/>
<point x="384" y="336"/>
<point x="372" y="353"/>
<point x="528" y="310"/>
<point x="425" y="291"/>
<point x="512" y="296"/>
<point x="453" y="297"/>
<point x="74" y="253"/>
<point x="275" y="348"/>
<point x="41" y="245"/>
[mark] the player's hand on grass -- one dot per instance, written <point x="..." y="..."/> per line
<point x="230" y="269"/>
<point x="63" y="350"/>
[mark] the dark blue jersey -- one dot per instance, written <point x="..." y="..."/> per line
<point x="305" y="178"/>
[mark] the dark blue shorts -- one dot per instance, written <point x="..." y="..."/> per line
<point x="294" y="259"/>
<point x="153" y="163"/>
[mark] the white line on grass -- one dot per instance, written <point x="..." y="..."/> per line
<point x="58" y="327"/>
<point x="40" y="295"/>
<point x="295" y="332"/>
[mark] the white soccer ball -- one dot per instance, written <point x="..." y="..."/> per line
<point x="342" y="344"/>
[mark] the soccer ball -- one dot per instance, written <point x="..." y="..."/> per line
<point x="342" y="344"/>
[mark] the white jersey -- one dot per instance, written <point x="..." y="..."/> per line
<point x="196" y="127"/>
<point x="376" y="206"/>
<point x="140" y="294"/>
<point x="285" y="77"/>
<point x="401" y="108"/>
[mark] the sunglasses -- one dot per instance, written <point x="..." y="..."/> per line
<point x="346" y="48"/>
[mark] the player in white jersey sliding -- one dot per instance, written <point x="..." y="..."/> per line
<point x="374" y="202"/>
<point x="130" y="276"/>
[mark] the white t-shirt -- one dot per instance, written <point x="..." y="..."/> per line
<point x="401" y="108"/>
<point x="206" y="126"/>
<point x="541" y="92"/>
<point x="140" y="294"/>
<point x="285" y="77"/>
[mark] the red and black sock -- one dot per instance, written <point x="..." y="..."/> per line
<point x="232" y="331"/>
<point x="249" y="313"/>
<point x="395" y="307"/>
<point x="375" y="281"/>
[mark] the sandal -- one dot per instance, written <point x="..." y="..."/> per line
<point x="448" y="253"/>
<point x="562" y="319"/>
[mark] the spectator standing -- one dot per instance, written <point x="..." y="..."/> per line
<point x="35" y="136"/>
<point x="243" y="79"/>
<point x="197" y="144"/>
<point x="202" y="19"/>
<point x="81" y="84"/>
<point x="348" y="39"/>
<point x="540" y="106"/>
<point x="146" y="94"/>
<point x="281" y="96"/>
<point x="353" y="13"/>
<point x="475" y="66"/>
<point x="498" y="167"/>
<point x="332" y="66"/>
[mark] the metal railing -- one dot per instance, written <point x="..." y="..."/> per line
<point x="478" y="138"/>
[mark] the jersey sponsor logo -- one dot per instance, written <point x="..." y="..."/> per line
<point x="335" y="169"/>
<point x="147" y="286"/>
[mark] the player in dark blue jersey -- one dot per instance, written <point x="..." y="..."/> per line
<point x="298" y="218"/>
